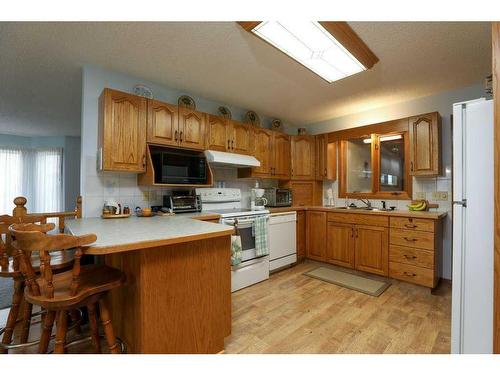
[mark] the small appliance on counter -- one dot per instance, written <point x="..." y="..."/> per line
<point x="181" y="201"/>
<point x="257" y="200"/>
<point x="113" y="210"/>
<point x="277" y="197"/>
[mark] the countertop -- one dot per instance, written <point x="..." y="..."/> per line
<point x="135" y="233"/>
<point x="435" y="215"/>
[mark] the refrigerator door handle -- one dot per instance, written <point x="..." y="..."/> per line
<point x="463" y="202"/>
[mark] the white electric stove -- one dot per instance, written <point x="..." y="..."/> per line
<point x="227" y="203"/>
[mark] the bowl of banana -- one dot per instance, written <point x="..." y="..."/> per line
<point x="421" y="205"/>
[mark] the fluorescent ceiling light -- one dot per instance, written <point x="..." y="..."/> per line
<point x="384" y="139"/>
<point x="312" y="45"/>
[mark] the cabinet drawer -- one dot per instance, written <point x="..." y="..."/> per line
<point x="425" y="225"/>
<point x="412" y="238"/>
<point x="340" y="217"/>
<point x="412" y="274"/>
<point x="409" y="255"/>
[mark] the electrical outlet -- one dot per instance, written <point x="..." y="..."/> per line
<point x="420" y="195"/>
<point x="145" y="195"/>
<point x="440" y="195"/>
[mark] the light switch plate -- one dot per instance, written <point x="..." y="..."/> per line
<point x="420" y="195"/>
<point x="440" y="195"/>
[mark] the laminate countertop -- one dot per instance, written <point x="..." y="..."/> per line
<point x="136" y="233"/>
<point x="435" y="215"/>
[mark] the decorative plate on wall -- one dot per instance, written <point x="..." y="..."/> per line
<point x="186" y="102"/>
<point x="225" y="112"/>
<point x="252" y="118"/>
<point x="144" y="91"/>
<point x="277" y="125"/>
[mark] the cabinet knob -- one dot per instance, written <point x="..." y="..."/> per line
<point x="144" y="160"/>
<point x="409" y="274"/>
<point x="410" y="226"/>
<point x="409" y="239"/>
<point x="175" y="137"/>
<point x="411" y="166"/>
<point x="180" y="136"/>
<point x="232" y="144"/>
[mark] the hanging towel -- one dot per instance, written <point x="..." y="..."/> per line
<point x="236" y="253"/>
<point x="260" y="232"/>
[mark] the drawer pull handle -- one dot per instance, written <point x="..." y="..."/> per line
<point x="409" y="239"/>
<point x="410" y="256"/>
<point x="410" y="226"/>
<point x="410" y="274"/>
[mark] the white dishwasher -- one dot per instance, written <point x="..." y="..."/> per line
<point x="282" y="243"/>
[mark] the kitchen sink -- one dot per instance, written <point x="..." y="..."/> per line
<point x="364" y="208"/>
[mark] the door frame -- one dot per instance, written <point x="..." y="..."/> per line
<point x="495" y="40"/>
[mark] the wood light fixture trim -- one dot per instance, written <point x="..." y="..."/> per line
<point x="343" y="33"/>
<point x="495" y="31"/>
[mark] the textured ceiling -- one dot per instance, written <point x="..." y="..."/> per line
<point x="40" y="68"/>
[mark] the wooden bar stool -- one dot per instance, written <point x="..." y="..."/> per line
<point x="10" y="268"/>
<point x="60" y="293"/>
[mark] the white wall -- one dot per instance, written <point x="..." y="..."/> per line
<point x="441" y="103"/>
<point x="95" y="186"/>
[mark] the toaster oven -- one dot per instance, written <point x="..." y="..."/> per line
<point x="278" y="197"/>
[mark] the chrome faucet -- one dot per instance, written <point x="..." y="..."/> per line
<point x="366" y="201"/>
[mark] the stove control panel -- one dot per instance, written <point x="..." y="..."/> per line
<point x="219" y="194"/>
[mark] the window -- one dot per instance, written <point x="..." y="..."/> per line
<point x="33" y="173"/>
<point x="375" y="166"/>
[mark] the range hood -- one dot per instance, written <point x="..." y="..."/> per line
<point x="228" y="158"/>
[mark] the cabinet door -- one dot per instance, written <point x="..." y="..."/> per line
<point x="263" y="147"/>
<point x="321" y="162"/>
<point x="218" y="133"/>
<point x="372" y="249"/>
<point x="303" y="157"/>
<point x="340" y="244"/>
<point x="123" y="131"/>
<point x="191" y="129"/>
<point x="281" y="165"/>
<point x="301" y="234"/>
<point x="331" y="161"/>
<point x="316" y="235"/>
<point x="163" y="123"/>
<point x="241" y="138"/>
<point x="424" y="145"/>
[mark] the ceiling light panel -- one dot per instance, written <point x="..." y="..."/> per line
<point x="311" y="45"/>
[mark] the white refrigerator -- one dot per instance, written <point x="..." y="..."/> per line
<point x="473" y="205"/>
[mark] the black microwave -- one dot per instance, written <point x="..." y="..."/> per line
<point x="173" y="166"/>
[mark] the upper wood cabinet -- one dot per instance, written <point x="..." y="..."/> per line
<point x="281" y="147"/>
<point x="191" y="129"/>
<point x="272" y="149"/>
<point x="216" y="133"/>
<point x="372" y="249"/>
<point x="326" y="158"/>
<point x="122" y="131"/>
<point x="425" y="156"/>
<point x="303" y="155"/>
<point x="240" y="137"/>
<point x="163" y="123"/>
<point x="263" y="151"/>
<point x="340" y="244"/>
<point x="316" y="224"/>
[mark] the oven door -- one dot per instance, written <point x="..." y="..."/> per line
<point x="245" y="230"/>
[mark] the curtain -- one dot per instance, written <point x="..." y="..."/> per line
<point x="35" y="173"/>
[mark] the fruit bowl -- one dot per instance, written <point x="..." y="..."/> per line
<point x="420" y="205"/>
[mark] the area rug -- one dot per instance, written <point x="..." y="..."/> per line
<point x="348" y="280"/>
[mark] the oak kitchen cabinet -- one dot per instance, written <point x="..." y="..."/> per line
<point x="425" y="155"/>
<point x="316" y="224"/>
<point x="303" y="155"/>
<point x="326" y="158"/>
<point x="228" y="135"/>
<point x="122" y="132"/>
<point x="340" y="244"/>
<point x="301" y="234"/>
<point x="372" y="249"/>
<point x="170" y="125"/>
<point x="272" y="149"/>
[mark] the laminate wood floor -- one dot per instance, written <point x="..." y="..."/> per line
<point x="293" y="313"/>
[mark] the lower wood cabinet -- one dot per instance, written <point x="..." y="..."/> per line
<point x="372" y="249"/>
<point x="340" y="244"/>
<point x="316" y="234"/>
<point x="301" y="234"/>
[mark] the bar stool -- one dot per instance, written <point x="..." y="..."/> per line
<point x="60" y="293"/>
<point x="10" y="268"/>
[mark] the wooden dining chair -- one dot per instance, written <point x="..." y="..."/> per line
<point x="58" y="294"/>
<point x="10" y="268"/>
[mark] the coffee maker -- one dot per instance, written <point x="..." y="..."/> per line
<point x="257" y="200"/>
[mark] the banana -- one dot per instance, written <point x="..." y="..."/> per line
<point x="420" y="206"/>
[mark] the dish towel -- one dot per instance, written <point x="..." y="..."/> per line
<point x="236" y="253"/>
<point x="260" y="232"/>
